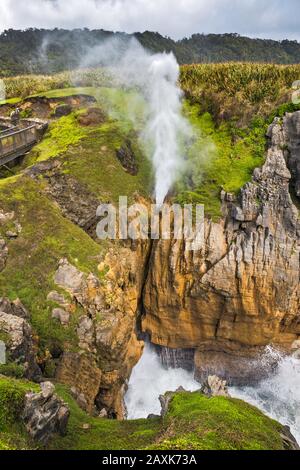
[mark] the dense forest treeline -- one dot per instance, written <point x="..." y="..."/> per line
<point x="49" y="51"/>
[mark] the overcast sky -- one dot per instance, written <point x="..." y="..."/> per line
<point x="277" y="19"/>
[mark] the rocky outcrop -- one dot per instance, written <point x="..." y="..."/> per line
<point x="213" y="386"/>
<point x="240" y="292"/>
<point x="127" y="158"/>
<point x="289" y="442"/>
<point x="107" y="336"/>
<point x="74" y="200"/>
<point x="14" y="308"/>
<point x="5" y="217"/>
<point x="3" y="253"/>
<point x="92" y="117"/>
<point x="165" y="401"/>
<point x="82" y="374"/>
<point x="19" y="343"/>
<point x="291" y="129"/>
<point x="45" y="414"/>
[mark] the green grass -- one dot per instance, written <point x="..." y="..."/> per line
<point x="95" y="165"/>
<point x="12" y="433"/>
<point x="194" y="422"/>
<point x="10" y="101"/>
<point x="221" y="157"/>
<point x="89" y="153"/>
<point x="197" y="422"/>
<point x="62" y="134"/>
<point x="103" y="434"/>
<point x="46" y="237"/>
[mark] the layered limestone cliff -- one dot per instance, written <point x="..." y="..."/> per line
<point x="108" y="342"/>
<point x="225" y="303"/>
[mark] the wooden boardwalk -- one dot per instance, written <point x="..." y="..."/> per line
<point x="15" y="142"/>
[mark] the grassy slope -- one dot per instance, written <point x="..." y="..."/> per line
<point x="193" y="422"/>
<point x="89" y="155"/>
<point x="12" y="434"/>
<point x="221" y="157"/>
<point x="197" y="422"/>
<point x="46" y="237"/>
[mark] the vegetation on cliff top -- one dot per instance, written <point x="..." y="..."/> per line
<point x="46" y="237"/>
<point x="193" y="422"/>
<point x="221" y="89"/>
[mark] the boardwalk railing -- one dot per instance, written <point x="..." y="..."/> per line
<point x="15" y="142"/>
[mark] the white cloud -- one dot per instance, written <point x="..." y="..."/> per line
<point x="176" y="18"/>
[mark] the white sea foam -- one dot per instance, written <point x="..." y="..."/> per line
<point x="148" y="380"/>
<point x="277" y="396"/>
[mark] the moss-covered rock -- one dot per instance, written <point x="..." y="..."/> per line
<point x="193" y="422"/>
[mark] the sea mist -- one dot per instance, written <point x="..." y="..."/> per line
<point x="165" y="132"/>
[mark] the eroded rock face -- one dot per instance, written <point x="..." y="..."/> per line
<point x="241" y="292"/>
<point x="19" y="343"/>
<point x="107" y="336"/>
<point x="127" y="158"/>
<point x="215" y="387"/>
<point x="45" y="414"/>
<point x="82" y="374"/>
<point x="291" y="128"/>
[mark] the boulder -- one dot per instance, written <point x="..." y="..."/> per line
<point x="214" y="387"/>
<point x="45" y="414"/>
<point x="3" y="254"/>
<point x="14" y="308"/>
<point x="62" y="110"/>
<point x="61" y="315"/>
<point x="68" y="277"/>
<point x="54" y="296"/>
<point x="19" y="344"/>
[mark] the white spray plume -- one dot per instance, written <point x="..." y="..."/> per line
<point x="278" y="395"/>
<point x="166" y="124"/>
<point x="156" y="77"/>
<point x="148" y="380"/>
